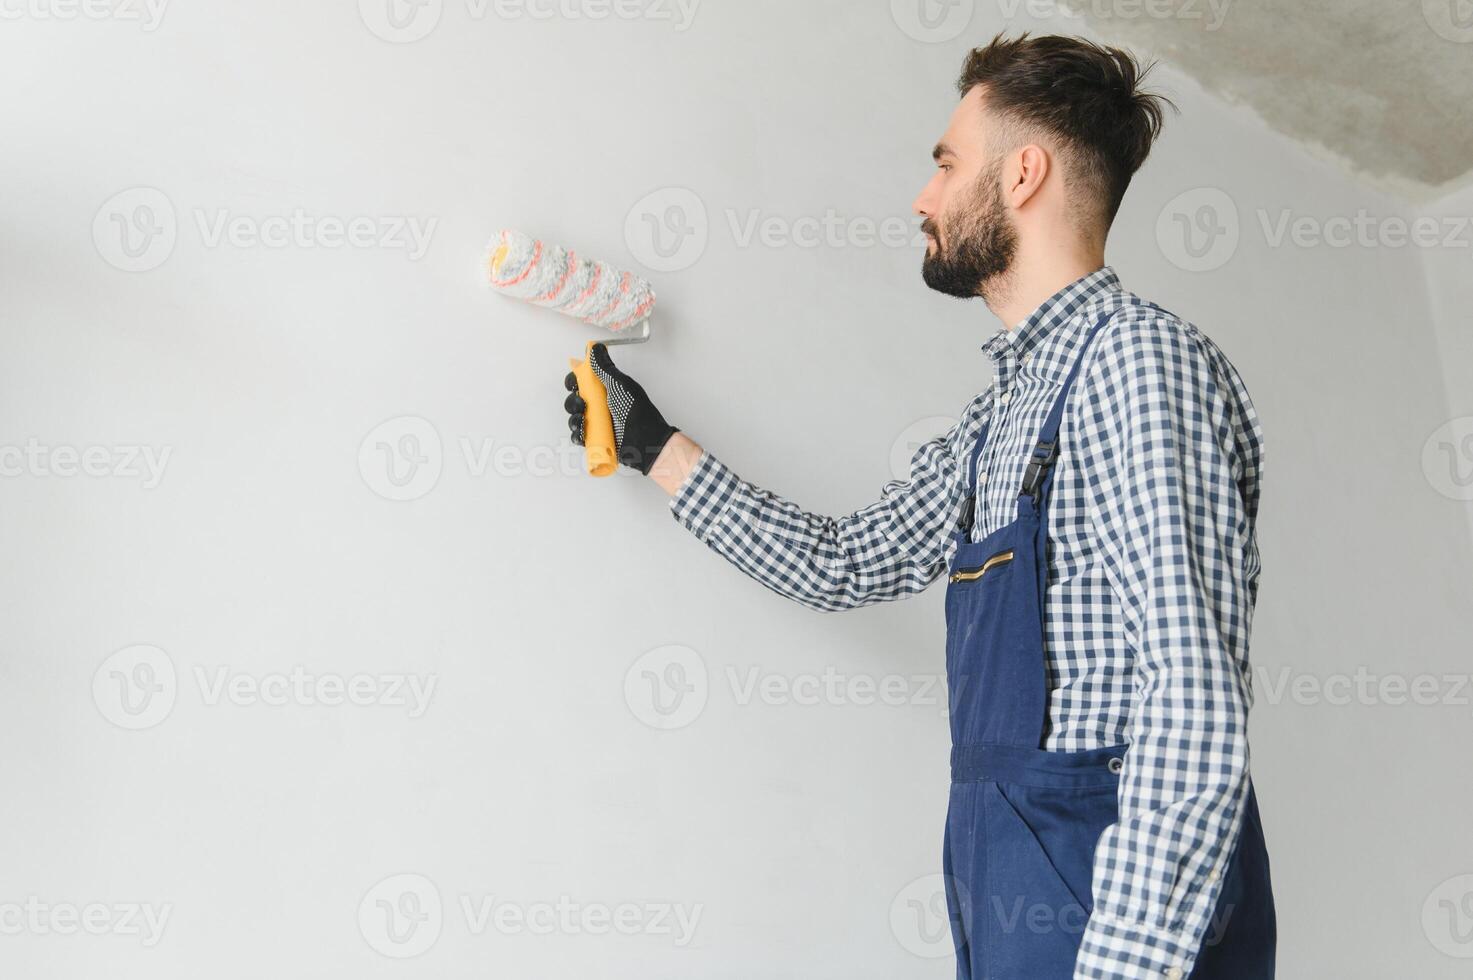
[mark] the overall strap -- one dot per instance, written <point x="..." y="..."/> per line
<point x="969" y="504"/>
<point x="1036" y="481"/>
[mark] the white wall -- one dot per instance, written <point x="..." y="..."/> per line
<point x="800" y="831"/>
<point x="1448" y="455"/>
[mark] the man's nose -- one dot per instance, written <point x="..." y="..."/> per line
<point x="925" y="203"/>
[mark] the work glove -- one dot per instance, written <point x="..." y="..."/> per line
<point x="640" y="431"/>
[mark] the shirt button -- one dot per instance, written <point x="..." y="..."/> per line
<point x="1174" y="973"/>
<point x="1005" y="398"/>
<point x="1213" y="875"/>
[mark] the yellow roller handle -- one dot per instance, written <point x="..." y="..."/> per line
<point x="598" y="424"/>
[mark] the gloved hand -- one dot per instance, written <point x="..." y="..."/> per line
<point x="640" y="431"/>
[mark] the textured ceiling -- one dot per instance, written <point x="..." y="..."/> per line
<point x="1386" y="86"/>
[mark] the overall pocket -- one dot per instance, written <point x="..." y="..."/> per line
<point x="972" y="574"/>
<point x="1038" y="884"/>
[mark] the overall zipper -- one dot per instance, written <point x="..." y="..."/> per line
<point x="969" y="574"/>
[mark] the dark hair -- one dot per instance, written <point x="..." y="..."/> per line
<point x="1084" y="94"/>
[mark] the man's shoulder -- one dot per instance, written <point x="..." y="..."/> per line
<point x="1140" y="331"/>
<point x="1143" y="322"/>
<point x="1145" y="347"/>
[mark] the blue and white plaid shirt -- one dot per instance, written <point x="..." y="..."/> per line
<point x="1153" y="572"/>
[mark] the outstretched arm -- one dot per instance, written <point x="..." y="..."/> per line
<point x="892" y="548"/>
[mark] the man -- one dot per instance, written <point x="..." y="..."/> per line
<point x="1095" y="508"/>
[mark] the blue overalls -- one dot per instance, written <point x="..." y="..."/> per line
<point x="1022" y="822"/>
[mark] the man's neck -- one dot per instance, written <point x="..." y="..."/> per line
<point x="1029" y="284"/>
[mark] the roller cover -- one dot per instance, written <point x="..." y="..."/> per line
<point x="552" y="276"/>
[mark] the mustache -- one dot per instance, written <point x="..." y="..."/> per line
<point x="928" y="227"/>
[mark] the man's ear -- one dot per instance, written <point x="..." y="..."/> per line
<point x="1030" y="166"/>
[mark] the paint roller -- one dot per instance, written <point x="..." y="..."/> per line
<point x="595" y="292"/>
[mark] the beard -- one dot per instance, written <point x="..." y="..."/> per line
<point x="981" y="243"/>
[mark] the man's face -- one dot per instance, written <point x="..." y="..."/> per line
<point x="971" y="237"/>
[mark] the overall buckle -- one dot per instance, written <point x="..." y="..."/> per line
<point x="1038" y="465"/>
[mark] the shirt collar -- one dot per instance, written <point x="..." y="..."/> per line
<point x="1057" y="309"/>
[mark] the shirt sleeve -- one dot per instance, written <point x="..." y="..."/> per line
<point x="892" y="548"/>
<point x="1157" y="435"/>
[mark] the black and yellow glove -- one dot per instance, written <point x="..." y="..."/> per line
<point x="640" y="431"/>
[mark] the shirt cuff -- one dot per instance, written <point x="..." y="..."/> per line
<point x="1116" y="950"/>
<point x="703" y="496"/>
